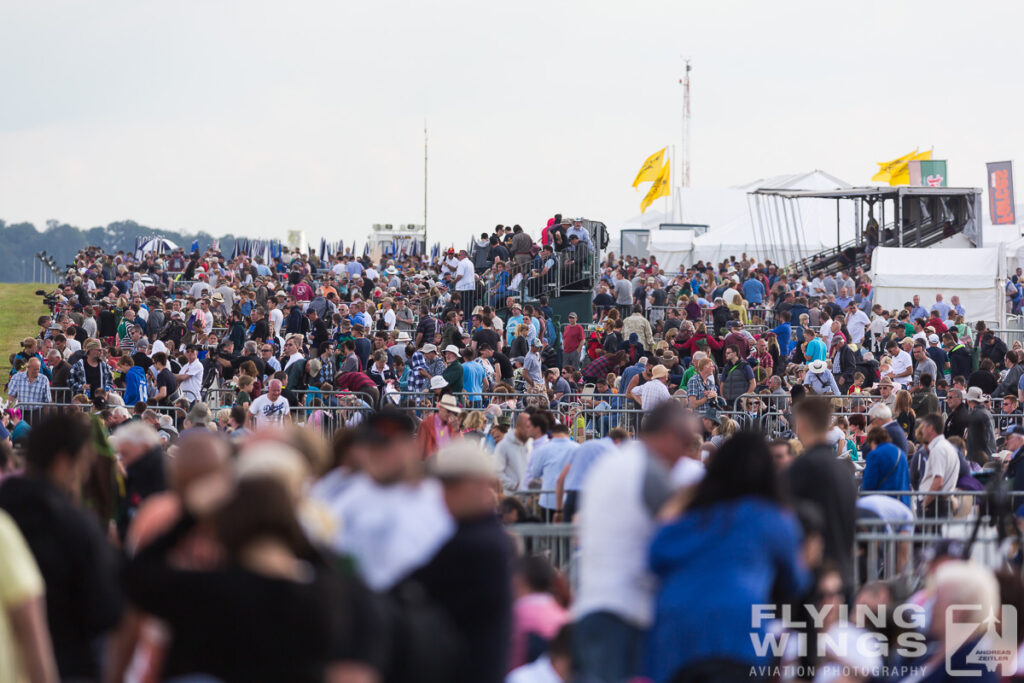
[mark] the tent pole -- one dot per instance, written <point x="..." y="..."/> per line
<point x="899" y="215"/>
<point x="837" y="227"/>
<point x="750" y="212"/>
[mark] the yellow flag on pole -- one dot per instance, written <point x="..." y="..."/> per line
<point x="902" y="176"/>
<point x="651" y="167"/>
<point x="660" y="188"/>
<point x="886" y="169"/>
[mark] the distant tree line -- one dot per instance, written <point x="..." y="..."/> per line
<point x="22" y="241"/>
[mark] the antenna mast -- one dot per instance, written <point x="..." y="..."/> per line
<point x="684" y="175"/>
<point x="424" y="185"/>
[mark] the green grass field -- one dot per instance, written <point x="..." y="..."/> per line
<point x="19" y="310"/>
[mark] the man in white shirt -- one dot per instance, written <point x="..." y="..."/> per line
<point x="902" y="365"/>
<point x="200" y="288"/>
<point x="270" y="409"/>
<point x="857" y="322"/>
<point x="655" y="391"/>
<point x="190" y="381"/>
<point x="621" y="497"/>
<point x="826" y="330"/>
<point x="942" y="469"/>
<point x="465" y="274"/>
<point x="388" y="313"/>
<point x="389" y="518"/>
<point x="511" y="454"/>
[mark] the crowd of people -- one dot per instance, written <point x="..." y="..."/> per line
<point x="352" y="468"/>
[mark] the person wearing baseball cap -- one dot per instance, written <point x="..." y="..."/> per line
<point x="981" y="440"/>
<point x="1014" y="462"/>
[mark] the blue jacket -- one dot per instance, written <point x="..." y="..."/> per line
<point x="136" y="387"/>
<point x="713" y="565"/>
<point x="886" y="469"/>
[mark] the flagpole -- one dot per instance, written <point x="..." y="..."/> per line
<point x="424" y="183"/>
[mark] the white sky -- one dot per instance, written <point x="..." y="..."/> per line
<point x="258" y="117"/>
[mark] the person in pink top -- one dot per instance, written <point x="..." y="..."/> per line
<point x="536" y="614"/>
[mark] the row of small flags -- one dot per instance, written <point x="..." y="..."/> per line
<point x="268" y="249"/>
<point x="273" y="249"/>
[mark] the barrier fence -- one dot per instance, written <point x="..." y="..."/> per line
<point x="885" y="549"/>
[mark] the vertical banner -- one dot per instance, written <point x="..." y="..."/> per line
<point x="1000" y="192"/>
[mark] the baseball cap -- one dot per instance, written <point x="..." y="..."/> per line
<point x="933" y="339"/>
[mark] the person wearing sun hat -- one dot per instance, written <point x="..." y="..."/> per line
<point x="819" y="379"/>
<point x="453" y="370"/>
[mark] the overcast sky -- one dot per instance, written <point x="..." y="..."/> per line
<point x="255" y="118"/>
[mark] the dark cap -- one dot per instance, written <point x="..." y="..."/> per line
<point x="384" y="426"/>
<point x="1013" y="429"/>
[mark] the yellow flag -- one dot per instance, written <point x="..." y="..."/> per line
<point x="651" y="167"/>
<point x="902" y="176"/>
<point x="887" y="168"/>
<point x="660" y="188"/>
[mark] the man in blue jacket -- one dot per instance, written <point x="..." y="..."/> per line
<point x="885" y="465"/>
<point x="136" y="386"/>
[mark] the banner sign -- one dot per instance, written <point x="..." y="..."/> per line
<point x="927" y="173"/>
<point x="1000" y="192"/>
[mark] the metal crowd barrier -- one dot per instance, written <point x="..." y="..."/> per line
<point x="328" y="419"/>
<point x="88" y="408"/>
<point x="884" y="549"/>
<point x="556" y="542"/>
<point x="421" y="404"/>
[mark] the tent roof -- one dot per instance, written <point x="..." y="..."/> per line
<point x="909" y="267"/>
<point x="812" y="180"/>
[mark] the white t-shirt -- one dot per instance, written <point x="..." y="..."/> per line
<point x="901" y="363"/>
<point x="266" y="412"/>
<point x="390" y="319"/>
<point x="464" y="270"/>
<point x="943" y="461"/>
<point x="389" y="530"/>
<point x="687" y="472"/>
<point x="888" y="508"/>
<point x="826" y="333"/>
<point x="856" y="324"/>
<point x="192" y="386"/>
<point x="616" y="530"/>
<point x="276" y="318"/>
<point x="538" y="671"/>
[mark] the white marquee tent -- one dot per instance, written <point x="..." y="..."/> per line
<point x="673" y="248"/>
<point x="976" y="275"/>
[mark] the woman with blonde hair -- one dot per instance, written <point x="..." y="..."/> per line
<point x="726" y="428"/>
<point x="740" y="306"/>
<point x="903" y="412"/>
<point x="473" y="425"/>
<point x="520" y="345"/>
